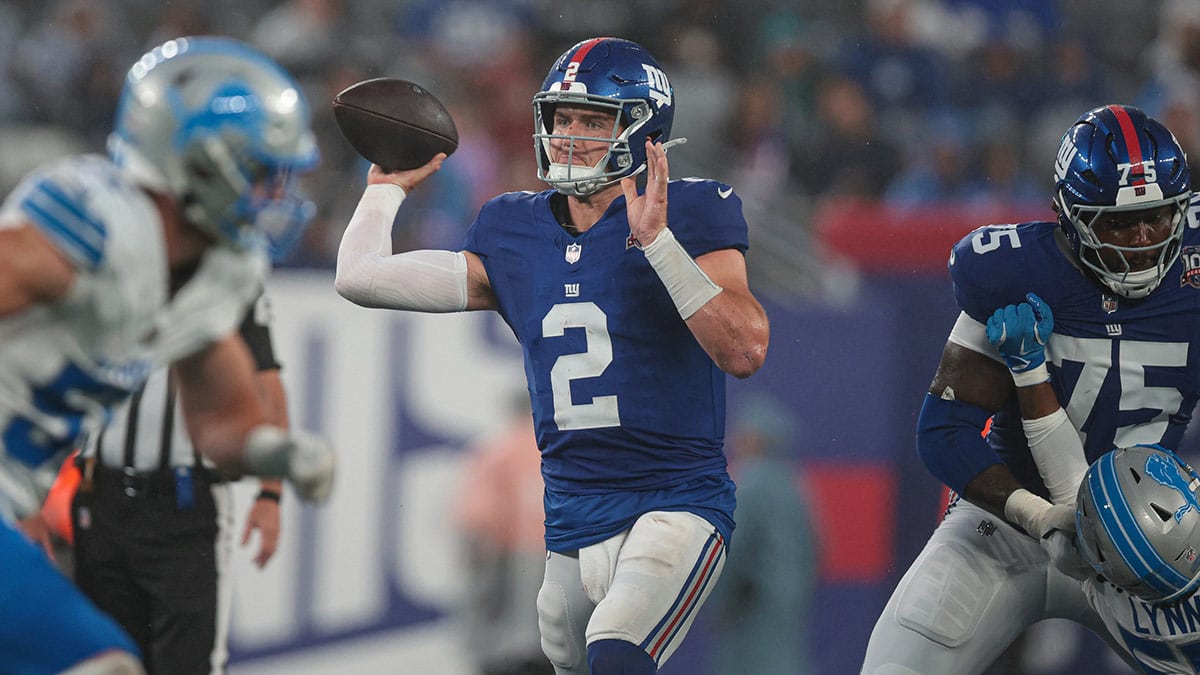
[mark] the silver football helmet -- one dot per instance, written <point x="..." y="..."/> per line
<point x="1138" y="522"/>
<point x="225" y="130"/>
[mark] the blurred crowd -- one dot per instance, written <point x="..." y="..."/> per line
<point x="910" y="102"/>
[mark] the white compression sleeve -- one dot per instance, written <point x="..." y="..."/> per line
<point x="687" y="284"/>
<point x="369" y="274"/>
<point x="1058" y="453"/>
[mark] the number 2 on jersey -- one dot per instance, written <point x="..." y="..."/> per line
<point x="602" y="411"/>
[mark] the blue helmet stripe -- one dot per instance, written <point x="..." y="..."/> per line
<point x="79" y="234"/>
<point x="1121" y="526"/>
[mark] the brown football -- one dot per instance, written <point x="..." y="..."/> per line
<point x="394" y="123"/>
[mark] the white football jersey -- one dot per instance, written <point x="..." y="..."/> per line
<point x="63" y="366"/>
<point x="1162" y="639"/>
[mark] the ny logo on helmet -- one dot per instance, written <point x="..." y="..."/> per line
<point x="660" y="88"/>
<point x="1066" y="153"/>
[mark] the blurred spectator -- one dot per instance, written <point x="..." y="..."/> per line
<point x="760" y="605"/>
<point x="791" y="54"/>
<point x="705" y="92"/>
<point x="1075" y="80"/>
<point x="180" y="17"/>
<point x="1174" y="56"/>
<point x="998" y="82"/>
<point x="848" y="155"/>
<point x="940" y="173"/>
<point x="902" y="78"/>
<point x="11" y="25"/>
<point x="1002" y="182"/>
<point x="761" y="153"/>
<point x="1024" y="24"/>
<point x="1180" y="111"/>
<point x="500" y="518"/>
<point x="303" y="35"/>
<point x="1173" y="91"/>
<point x="66" y="69"/>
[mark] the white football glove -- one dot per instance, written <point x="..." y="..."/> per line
<point x="304" y="459"/>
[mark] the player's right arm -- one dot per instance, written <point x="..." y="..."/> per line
<point x="32" y="269"/>
<point x="230" y="424"/>
<point x="371" y="275"/>
<point x="967" y="389"/>
<point x="973" y="381"/>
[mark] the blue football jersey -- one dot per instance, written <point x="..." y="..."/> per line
<point x="629" y="409"/>
<point x="1126" y="371"/>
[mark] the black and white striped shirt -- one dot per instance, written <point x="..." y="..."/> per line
<point x="147" y="433"/>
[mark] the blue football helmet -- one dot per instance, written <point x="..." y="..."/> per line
<point x="1138" y="522"/>
<point x="611" y="74"/>
<point x="1115" y="159"/>
<point x="226" y="131"/>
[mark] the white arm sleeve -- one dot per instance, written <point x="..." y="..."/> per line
<point x="1053" y="441"/>
<point x="369" y="274"/>
<point x="969" y="333"/>
<point x="1058" y="453"/>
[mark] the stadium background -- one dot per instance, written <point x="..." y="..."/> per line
<point x="864" y="138"/>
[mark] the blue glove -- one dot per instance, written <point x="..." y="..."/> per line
<point x="1020" y="333"/>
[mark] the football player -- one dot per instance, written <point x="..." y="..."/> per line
<point x="1119" y="267"/>
<point x="110" y="267"/>
<point x="1139" y="529"/>
<point x="631" y="306"/>
<point x="1135" y="513"/>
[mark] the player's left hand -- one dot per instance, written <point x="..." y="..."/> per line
<point x="647" y="213"/>
<point x="1020" y="333"/>
<point x="263" y="518"/>
<point x="1064" y="554"/>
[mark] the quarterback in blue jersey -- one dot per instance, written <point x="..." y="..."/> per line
<point x="113" y="267"/>
<point x="631" y="306"/>
<point x="1120" y="270"/>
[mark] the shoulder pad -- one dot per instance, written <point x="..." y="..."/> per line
<point x="996" y="265"/>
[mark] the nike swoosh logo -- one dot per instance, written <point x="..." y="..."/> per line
<point x="724" y="194"/>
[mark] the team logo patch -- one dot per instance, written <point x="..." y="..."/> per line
<point x="1166" y="473"/>
<point x="574" y="250"/>
<point x="1191" y="266"/>
<point x="986" y="528"/>
<point x="632" y="242"/>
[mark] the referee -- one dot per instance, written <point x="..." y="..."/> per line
<point x="153" y="524"/>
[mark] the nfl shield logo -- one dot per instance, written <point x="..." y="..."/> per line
<point x="573" y="251"/>
<point x="1109" y="303"/>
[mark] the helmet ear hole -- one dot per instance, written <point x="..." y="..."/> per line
<point x="1163" y="514"/>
